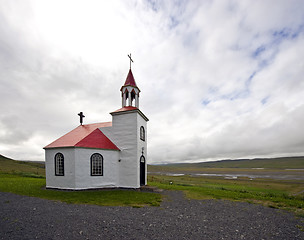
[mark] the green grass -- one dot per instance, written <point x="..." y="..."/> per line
<point x="8" y="165"/>
<point x="27" y="178"/>
<point x="35" y="187"/>
<point x="272" y="193"/>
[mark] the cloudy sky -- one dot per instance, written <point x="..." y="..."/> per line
<point x="218" y="79"/>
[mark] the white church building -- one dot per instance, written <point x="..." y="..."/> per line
<point x="102" y="155"/>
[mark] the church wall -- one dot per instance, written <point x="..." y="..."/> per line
<point x="63" y="182"/>
<point x="125" y="134"/>
<point x="142" y="144"/>
<point x="83" y="169"/>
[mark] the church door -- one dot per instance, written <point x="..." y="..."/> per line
<point x="142" y="171"/>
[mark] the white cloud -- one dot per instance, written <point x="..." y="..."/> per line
<point x="219" y="79"/>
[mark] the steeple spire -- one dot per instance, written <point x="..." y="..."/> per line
<point x="130" y="90"/>
<point x="130" y="81"/>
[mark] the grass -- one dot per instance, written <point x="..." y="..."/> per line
<point x="35" y="187"/>
<point x="8" y="165"/>
<point x="282" y="194"/>
<point x="272" y="193"/>
<point x="28" y="178"/>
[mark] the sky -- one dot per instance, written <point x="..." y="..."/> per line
<point x="218" y="79"/>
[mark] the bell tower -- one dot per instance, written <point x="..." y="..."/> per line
<point x="130" y="92"/>
<point x="129" y="132"/>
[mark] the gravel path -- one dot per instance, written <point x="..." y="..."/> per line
<point x="177" y="218"/>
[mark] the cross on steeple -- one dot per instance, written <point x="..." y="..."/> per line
<point x="131" y="60"/>
<point x="81" y="117"/>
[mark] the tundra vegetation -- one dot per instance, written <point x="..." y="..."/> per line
<point x="285" y="194"/>
<point x="28" y="178"/>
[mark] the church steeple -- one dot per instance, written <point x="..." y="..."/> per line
<point x="130" y="91"/>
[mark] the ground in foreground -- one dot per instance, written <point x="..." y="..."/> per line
<point x="25" y="217"/>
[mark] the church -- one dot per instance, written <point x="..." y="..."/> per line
<point x="102" y="155"/>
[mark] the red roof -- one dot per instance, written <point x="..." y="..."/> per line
<point x="130" y="81"/>
<point x="88" y="136"/>
<point x="97" y="139"/>
<point x="127" y="108"/>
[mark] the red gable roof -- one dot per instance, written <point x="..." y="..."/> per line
<point x="130" y="81"/>
<point x="97" y="139"/>
<point x="87" y="135"/>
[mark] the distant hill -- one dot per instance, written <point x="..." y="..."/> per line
<point x="8" y="165"/>
<point x="270" y="163"/>
<point x="3" y="157"/>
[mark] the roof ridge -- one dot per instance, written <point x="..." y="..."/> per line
<point x="76" y="135"/>
<point x="85" y="136"/>
<point x="108" y="144"/>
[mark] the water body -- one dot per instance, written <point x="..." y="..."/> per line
<point x="252" y="176"/>
<point x="294" y="175"/>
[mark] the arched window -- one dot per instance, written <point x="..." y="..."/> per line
<point x="59" y="164"/>
<point x="142" y="133"/>
<point x="96" y="165"/>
